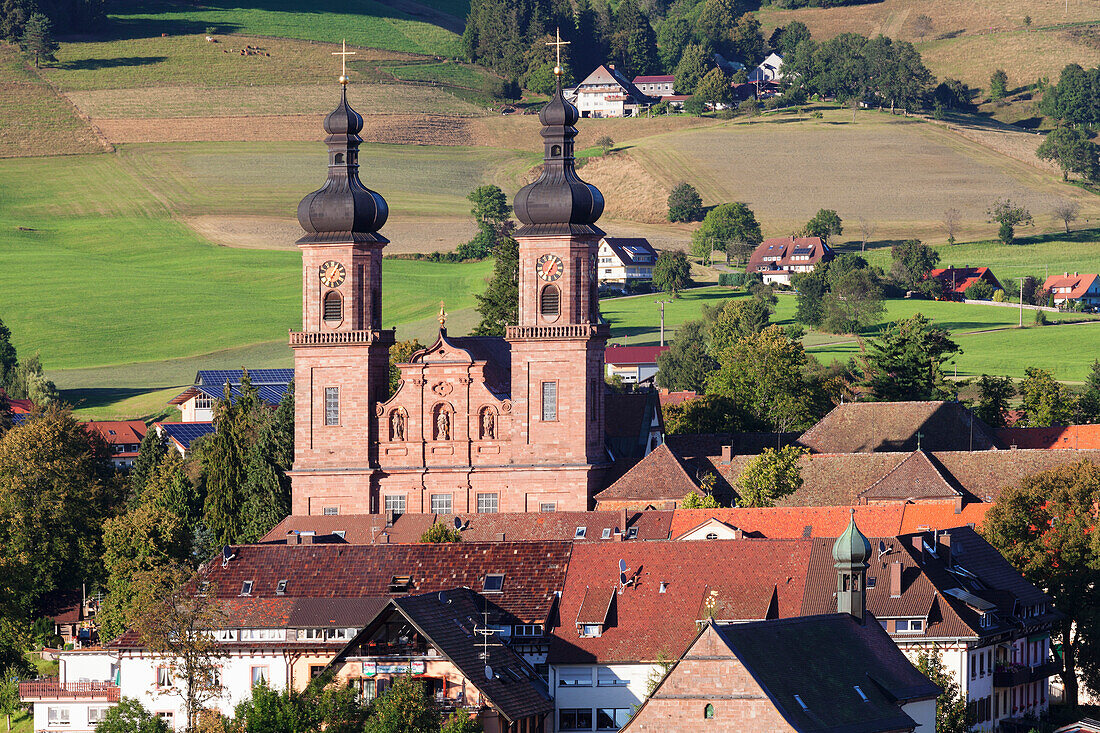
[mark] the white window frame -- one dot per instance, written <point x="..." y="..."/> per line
<point x="96" y="714"/>
<point x="488" y="503"/>
<point x="390" y="502"/>
<point x="549" y="393"/>
<point x="574" y="677"/>
<point x="264" y="676"/>
<point x="57" y="716"/>
<point x="332" y="407"/>
<point x="442" y="503"/>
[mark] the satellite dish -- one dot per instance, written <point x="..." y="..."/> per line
<point x="227" y="553"/>
<point x="488" y="672"/>
<point x="442" y="597"/>
<point x="622" y="566"/>
<point x="458" y="522"/>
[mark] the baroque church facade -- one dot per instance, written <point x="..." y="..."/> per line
<point x="477" y="424"/>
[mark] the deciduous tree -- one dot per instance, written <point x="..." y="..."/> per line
<point x="1088" y="404"/>
<point x="441" y="533"/>
<point x="714" y="88"/>
<point x="912" y="261"/>
<point x="951" y="220"/>
<point x="671" y="272"/>
<point x="130" y="716"/>
<point x="684" y="203"/>
<point x="692" y="500"/>
<point x="1071" y="150"/>
<point x="710" y="413"/>
<point x="9" y="694"/>
<point x="994" y="394"/>
<point x="785" y="39"/>
<point x="687" y="362"/>
<point x="405" y="708"/>
<point x="691" y="68"/>
<point x="672" y="38"/>
<point x="854" y="300"/>
<point x="731" y="228"/>
<point x="1009" y="215"/>
<point x="1045" y="526"/>
<point x="1067" y="212"/>
<point x="824" y="224"/>
<point x="906" y="362"/>
<point x="770" y="476"/>
<point x="952" y="713"/>
<point x="1045" y="400"/>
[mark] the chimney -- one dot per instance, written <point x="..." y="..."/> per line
<point x="307" y="539"/>
<point x="293" y="538"/>
<point x="727" y="453"/>
<point x="918" y="545"/>
<point x="943" y="548"/>
<point x="500" y="537"/>
<point x="738" y="533"/>
<point x="384" y="538"/>
<point x="390" y="518"/>
<point x="895" y="580"/>
<point x="622" y="523"/>
<point x="1065" y="274"/>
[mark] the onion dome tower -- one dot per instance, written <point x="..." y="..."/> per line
<point x="343" y="208"/>
<point x="850" y="553"/>
<point x="559" y="202"/>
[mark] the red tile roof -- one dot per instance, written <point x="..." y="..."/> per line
<point x="942" y="515"/>
<point x="120" y="432"/>
<point x="631" y="355"/>
<point x="962" y="278"/>
<point x="858" y="427"/>
<point x="1071" y="436"/>
<point x="533" y="571"/>
<point x="670" y="78"/>
<point x="743" y="579"/>
<point x="777" y="253"/>
<point x="17" y="407"/>
<point x="915" y="478"/>
<point x="658" y="476"/>
<point x="794" y="522"/>
<point x="675" y="398"/>
<point x="1078" y="285"/>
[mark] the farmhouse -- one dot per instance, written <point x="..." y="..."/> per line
<point x="778" y="258"/>
<point x="767" y="75"/>
<point x="607" y="93"/>
<point x="656" y="86"/>
<point x="123" y="437"/>
<point x="956" y="280"/>
<point x="625" y="262"/>
<point x="1074" y="288"/>
<point x="196" y="403"/>
<point x="634" y="364"/>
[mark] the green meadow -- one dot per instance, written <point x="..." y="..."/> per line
<point x="987" y="334"/>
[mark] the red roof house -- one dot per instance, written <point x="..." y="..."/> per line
<point x="124" y="437"/>
<point x="633" y="363"/>
<point x="778" y="258"/>
<point x="1075" y="286"/>
<point x="957" y="279"/>
<point x="1067" y="437"/>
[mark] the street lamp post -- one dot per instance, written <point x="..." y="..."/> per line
<point x="661" y="304"/>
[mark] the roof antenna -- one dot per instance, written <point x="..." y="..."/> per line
<point x="485" y="632"/>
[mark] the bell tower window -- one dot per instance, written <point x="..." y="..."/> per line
<point x="333" y="310"/>
<point x="555" y="151"/>
<point x="550" y="301"/>
<point x="339" y="158"/>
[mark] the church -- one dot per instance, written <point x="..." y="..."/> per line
<point x="478" y="424"/>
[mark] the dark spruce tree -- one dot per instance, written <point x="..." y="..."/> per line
<point x="38" y="40"/>
<point x="151" y="452"/>
<point x="499" y="304"/>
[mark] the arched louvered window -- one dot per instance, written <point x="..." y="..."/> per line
<point x="339" y="157"/>
<point x="555" y="151"/>
<point x="333" y="308"/>
<point x="550" y="301"/>
<point x="708" y="711"/>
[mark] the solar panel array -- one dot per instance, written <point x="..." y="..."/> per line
<point x="185" y="432"/>
<point x="271" y="394"/>
<point x="258" y="376"/>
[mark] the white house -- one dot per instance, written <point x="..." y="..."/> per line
<point x="607" y="93"/>
<point x="196" y="403"/>
<point x="768" y="71"/>
<point x="634" y="364"/>
<point x="625" y="260"/>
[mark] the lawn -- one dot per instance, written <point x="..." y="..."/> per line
<point x="361" y="22"/>
<point x="986" y="334"/>
<point x="34" y="120"/>
<point x="446" y="72"/>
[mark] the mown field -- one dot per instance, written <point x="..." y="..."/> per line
<point x="969" y="38"/>
<point x="987" y="334"/>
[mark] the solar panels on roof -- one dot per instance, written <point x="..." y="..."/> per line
<point x="803" y="250"/>
<point x="970" y="599"/>
<point x="219" y="377"/>
<point x="185" y="432"/>
<point x="271" y="394"/>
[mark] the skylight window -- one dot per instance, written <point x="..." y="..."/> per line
<point x="580" y="533"/>
<point x="400" y="584"/>
<point x="246" y="588"/>
<point x="801" y="704"/>
<point x="606" y="534"/>
<point x="861" y="694"/>
<point x="494" y="583"/>
<point x="632" y="533"/>
<point x="280" y="588"/>
<point x="871" y="581"/>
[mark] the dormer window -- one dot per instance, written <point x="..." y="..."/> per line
<point x="606" y="534"/>
<point x="591" y="631"/>
<point x="400" y="584"/>
<point x="663" y="588"/>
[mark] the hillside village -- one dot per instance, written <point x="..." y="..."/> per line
<point x="536" y="402"/>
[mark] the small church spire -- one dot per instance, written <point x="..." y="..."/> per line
<point x="850" y="553"/>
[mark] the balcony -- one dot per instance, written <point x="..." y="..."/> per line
<point x="1010" y="675"/>
<point x="580" y="330"/>
<point x="1042" y="671"/>
<point x="52" y="689"/>
<point x="336" y="338"/>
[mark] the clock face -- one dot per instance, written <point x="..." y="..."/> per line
<point x="332" y="274"/>
<point x="550" y="267"/>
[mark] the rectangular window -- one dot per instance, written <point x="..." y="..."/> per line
<point x="312" y="634"/>
<point x="486" y="503"/>
<point x="549" y="401"/>
<point x="259" y="675"/>
<point x="57" y="716"/>
<point x="611" y="718"/>
<point x="527" y="630"/>
<point x="395" y="503"/>
<point x="332" y="405"/>
<point x="169" y="718"/>
<point x="591" y="630"/>
<point x="331" y="511"/>
<point x="95" y="715"/>
<point x="575" y="719"/>
<point x="442" y="504"/>
<point x="575" y="677"/>
<point x="548" y="506"/>
<point x="606" y="677"/>
<point x="494" y="583"/>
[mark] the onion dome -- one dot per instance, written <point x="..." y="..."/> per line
<point x="851" y="548"/>
<point x="559" y="202"/>
<point x="343" y="209"/>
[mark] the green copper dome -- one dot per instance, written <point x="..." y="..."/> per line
<point x="851" y="548"/>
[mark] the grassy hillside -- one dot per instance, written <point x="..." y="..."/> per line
<point x="987" y="335"/>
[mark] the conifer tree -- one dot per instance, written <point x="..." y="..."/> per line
<point x="499" y="304"/>
<point x="223" y="464"/>
<point x="38" y="39"/>
<point x="151" y="452"/>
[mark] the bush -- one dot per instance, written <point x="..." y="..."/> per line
<point x="441" y="533"/>
<point x="1040" y="318"/>
<point x="980" y="290"/>
<point x="775" y="103"/>
<point x="694" y="106"/>
<point x="684" y="203"/>
<point x="731" y="279"/>
<point x="725" y="114"/>
<point x="999" y="296"/>
<point x="749" y="108"/>
<point x="606" y="143"/>
<point x="661" y="108"/>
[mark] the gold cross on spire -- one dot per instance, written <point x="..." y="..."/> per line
<point x="343" y="53"/>
<point x="442" y="316"/>
<point x="557" y="47"/>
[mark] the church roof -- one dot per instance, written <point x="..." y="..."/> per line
<point x="862" y="427"/>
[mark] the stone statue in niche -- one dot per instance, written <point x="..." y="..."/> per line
<point x="397" y="425"/>
<point x="443" y="425"/>
<point x="488" y="424"/>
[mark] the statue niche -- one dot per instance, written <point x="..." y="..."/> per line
<point x="397" y="425"/>
<point x="442" y="423"/>
<point x="488" y="423"/>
